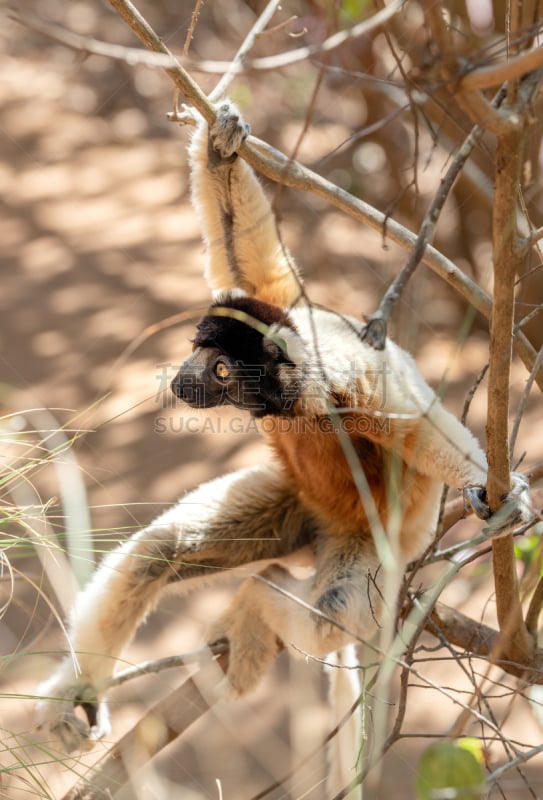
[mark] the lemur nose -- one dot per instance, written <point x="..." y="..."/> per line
<point x="177" y="386"/>
<point x="184" y="385"/>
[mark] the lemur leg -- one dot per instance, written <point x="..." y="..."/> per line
<point x="340" y="604"/>
<point x="237" y="221"/>
<point x="244" y="517"/>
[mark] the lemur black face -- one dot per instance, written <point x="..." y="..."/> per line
<point x="234" y="361"/>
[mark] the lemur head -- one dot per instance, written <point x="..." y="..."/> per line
<point x="246" y="353"/>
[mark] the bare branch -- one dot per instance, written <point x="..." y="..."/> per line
<point x="233" y="67"/>
<point x="376" y="329"/>
<point x="515" y="643"/>
<point x="188" y="39"/>
<point x="481" y="640"/>
<point x="522" y="403"/>
<point x="237" y="63"/>
<point x="192" y="26"/>
<point x="497" y="74"/>
<point x="200" y="657"/>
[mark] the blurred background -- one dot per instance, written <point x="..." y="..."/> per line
<point x="101" y="285"/>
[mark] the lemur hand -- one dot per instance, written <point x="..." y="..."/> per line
<point x="55" y="710"/>
<point x="228" y="131"/>
<point x="515" y="508"/>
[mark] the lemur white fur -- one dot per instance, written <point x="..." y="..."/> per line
<point x="406" y="444"/>
<point x="246" y="254"/>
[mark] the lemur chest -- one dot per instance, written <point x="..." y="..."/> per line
<point x="314" y="457"/>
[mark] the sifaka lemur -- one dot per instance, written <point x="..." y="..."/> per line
<point x="360" y="450"/>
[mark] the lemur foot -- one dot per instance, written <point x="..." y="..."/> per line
<point x="228" y="132"/>
<point x="55" y="713"/>
<point x="253" y="648"/>
<point x="515" y="508"/>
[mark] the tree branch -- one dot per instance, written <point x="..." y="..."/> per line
<point x="481" y="640"/>
<point x="240" y="58"/>
<point x="515" y="643"/>
<point x="497" y="74"/>
<point x="375" y="331"/>
<point x="219" y="648"/>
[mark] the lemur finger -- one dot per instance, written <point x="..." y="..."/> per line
<point x="229" y="130"/>
<point x="515" y="508"/>
<point x="475" y="496"/>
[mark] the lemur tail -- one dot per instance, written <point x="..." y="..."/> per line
<point x="345" y="748"/>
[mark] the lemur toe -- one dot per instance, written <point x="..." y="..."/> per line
<point x="56" y="713"/>
<point x="72" y="732"/>
<point x="229" y="130"/>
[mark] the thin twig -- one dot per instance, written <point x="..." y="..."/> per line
<point x="155" y="665"/>
<point x="376" y="328"/>
<point x="534" y="237"/>
<point x="192" y="27"/>
<point x="522" y="403"/>
<point x="281" y="26"/>
<point x="533" y="314"/>
<point x="240" y="58"/>
<point x="188" y="39"/>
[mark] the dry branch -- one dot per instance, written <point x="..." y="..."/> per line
<point x="517" y="644"/>
<point x="376" y="328"/>
<point x="496" y="74"/>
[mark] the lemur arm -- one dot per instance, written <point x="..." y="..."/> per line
<point x="433" y="441"/>
<point x="237" y="221"/>
<point x="385" y="392"/>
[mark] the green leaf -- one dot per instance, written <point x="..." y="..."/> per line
<point x="451" y="769"/>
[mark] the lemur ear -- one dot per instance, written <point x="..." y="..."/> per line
<point x="281" y="338"/>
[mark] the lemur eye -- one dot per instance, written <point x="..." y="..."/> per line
<point x="221" y="370"/>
